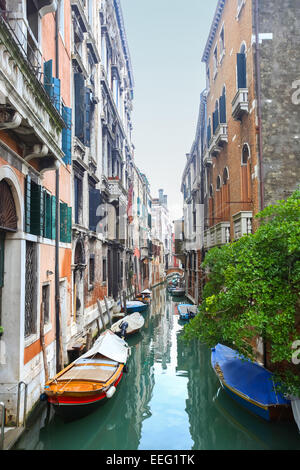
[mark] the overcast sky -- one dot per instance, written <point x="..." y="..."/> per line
<point x="166" y="40"/>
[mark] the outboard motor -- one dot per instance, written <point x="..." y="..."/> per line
<point x="123" y="328"/>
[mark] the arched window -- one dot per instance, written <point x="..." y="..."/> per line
<point x="222" y="101"/>
<point x="246" y="177"/>
<point x="218" y="183"/>
<point x="225" y="176"/>
<point x="216" y="117"/>
<point x="242" y="68"/>
<point x="8" y="214"/>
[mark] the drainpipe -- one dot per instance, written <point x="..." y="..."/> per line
<point x="260" y="145"/>
<point x="57" y="223"/>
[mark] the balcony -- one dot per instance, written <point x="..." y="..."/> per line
<point x="240" y="104"/>
<point x="116" y="189"/>
<point x="207" y="160"/>
<point x="242" y="222"/>
<point x="217" y="235"/>
<point x="221" y="135"/>
<point x="26" y="109"/>
<point x="78" y="6"/>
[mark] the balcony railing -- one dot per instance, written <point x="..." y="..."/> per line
<point x="240" y="104"/>
<point x="242" y="222"/>
<point x="24" y="39"/>
<point x="217" y="235"/>
<point x="207" y="160"/>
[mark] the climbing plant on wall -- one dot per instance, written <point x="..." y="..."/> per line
<point x="252" y="291"/>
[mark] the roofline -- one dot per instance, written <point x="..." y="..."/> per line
<point x="213" y="29"/>
<point x="121" y="24"/>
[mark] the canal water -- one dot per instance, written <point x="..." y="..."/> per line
<point x="169" y="400"/>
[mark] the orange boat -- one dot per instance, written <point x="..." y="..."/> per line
<point x="90" y="380"/>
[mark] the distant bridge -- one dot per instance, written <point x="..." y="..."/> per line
<point x="172" y="271"/>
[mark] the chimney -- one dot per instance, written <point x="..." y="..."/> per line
<point x="161" y="196"/>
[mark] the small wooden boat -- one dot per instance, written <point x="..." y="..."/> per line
<point x="187" y="311"/>
<point x="178" y="292"/>
<point x="90" y="380"/>
<point x="135" y="306"/>
<point x="250" y="384"/>
<point x="128" y="325"/>
<point x="144" y="297"/>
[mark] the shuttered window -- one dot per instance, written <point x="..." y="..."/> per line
<point x="52" y="84"/>
<point x="65" y="223"/>
<point x="87" y="115"/>
<point x="67" y="135"/>
<point x="223" y="109"/>
<point x="48" y="216"/>
<point x="79" y="105"/>
<point x="241" y="71"/>
<point x="40" y="210"/>
<point x="95" y="201"/>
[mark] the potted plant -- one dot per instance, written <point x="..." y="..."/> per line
<point x="1" y="331"/>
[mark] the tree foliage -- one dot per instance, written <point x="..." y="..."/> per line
<point x="252" y="290"/>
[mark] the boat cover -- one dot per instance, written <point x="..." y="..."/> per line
<point x="109" y="345"/>
<point x="134" y="303"/>
<point x="246" y="376"/>
<point x="135" y="322"/>
<point x="146" y="291"/>
<point x="296" y="410"/>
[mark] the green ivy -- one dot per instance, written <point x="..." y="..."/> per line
<point x="253" y="291"/>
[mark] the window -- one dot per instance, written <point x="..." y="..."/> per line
<point x="92" y="269"/>
<point x="208" y="78"/>
<point x="104" y="270"/>
<point x="222" y="104"/>
<point x="218" y="183"/>
<point x="215" y="61"/>
<point x="242" y="68"/>
<point x="78" y="199"/>
<point x="30" y="289"/>
<point x="46" y="302"/>
<point x="222" y="43"/>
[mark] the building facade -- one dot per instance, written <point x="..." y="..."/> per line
<point x="35" y="189"/>
<point x="247" y="153"/>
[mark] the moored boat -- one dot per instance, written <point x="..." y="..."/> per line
<point x="128" y="325"/>
<point x="187" y="311"/>
<point x="90" y="380"/>
<point x="135" y="306"/>
<point x="178" y="292"/>
<point x="250" y="384"/>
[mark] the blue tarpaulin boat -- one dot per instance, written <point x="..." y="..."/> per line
<point x="187" y="311"/>
<point x="249" y="384"/>
<point x="136" y="306"/>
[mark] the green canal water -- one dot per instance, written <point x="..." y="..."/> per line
<point x="169" y="400"/>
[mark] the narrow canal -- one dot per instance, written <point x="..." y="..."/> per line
<point x="170" y="399"/>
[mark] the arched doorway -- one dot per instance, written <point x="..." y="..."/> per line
<point x="8" y="223"/>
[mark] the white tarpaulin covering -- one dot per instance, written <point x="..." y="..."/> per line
<point x="135" y="322"/>
<point x="111" y="346"/>
<point x="296" y="410"/>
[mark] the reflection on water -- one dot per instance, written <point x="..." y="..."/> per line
<point x="170" y="399"/>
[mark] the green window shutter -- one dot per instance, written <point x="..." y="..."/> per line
<point x="63" y="222"/>
<point x="53" y="217"/>
<point x="1" y="259"/>
<point x="69" y="225"/>
<point x="48" y="219"/>
<point x="35" y="222"/>
<point x="27" y="203"/>
<point x="42" y="211"/>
